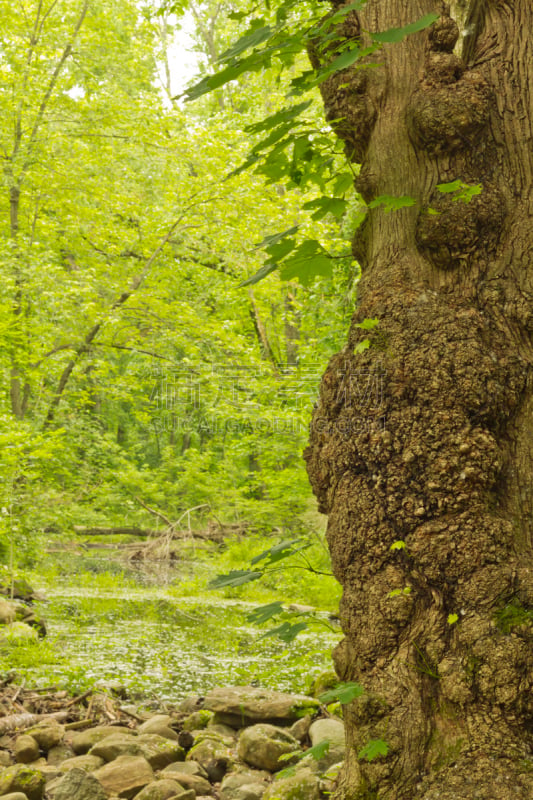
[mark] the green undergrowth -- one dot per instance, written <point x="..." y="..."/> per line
<point x="292" y="580"/>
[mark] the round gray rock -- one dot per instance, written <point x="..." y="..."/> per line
<point x="262" y="745"/>
<point x="160" y="790"/>
<point x="302" y="786"/>
<point x="78" y="785"/>
<point x="14" y="796"/>
<point x="26" y="749"/>
<point x="241" y="705"/>
<point x="331" y="730"/>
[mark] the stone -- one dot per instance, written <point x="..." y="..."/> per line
<point x="125" y="776"/>
<point x="214" y="735"/>
<point x="214" y="756"/>
<point x="333" y="731"/>
<point x="323" y="682"/>
<point x="161" y="725"/>
<point x="197" y="720"/>
<point x="197" y="782"/>
<point x="302" y="786"/>
<point x="155" y="719"/>
<point x="300" y="729"/>
<point x="22" y="778"/>
<point x="187" y="768"/>
<point x="30" y="616"/>
<point x="238" y="706"/>
<point x="26" y="749"/>
<point x="20" y="587"/>
<point x="78" y="785"/>
<point x="160" y="790"/>
<point x="17" y="632"/>
<point x="82" y="741"/>
<point x="59" y="753"/>
<point x="190" y="704"/>
<point x="250" y="791"/>
<point x="47" y="734"/>
<point x="232" y="784"/>
<point x="220" y="728"/>
<point x="7" y="612"/>
<point x="117" y="744"/>
<point x="50" y="772"/>
<point x="5" y="759"/>
<point x="328" y="781"/>
<point x="262" y="745"/>
<point x="188" y="794"/>
<point x="159" y="751"/>
<point x="14" y="796"/>
<point x="88" y="763"/>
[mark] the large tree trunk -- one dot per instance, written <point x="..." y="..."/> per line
<point x="427" y="437"/>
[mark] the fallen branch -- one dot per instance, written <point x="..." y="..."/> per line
<point x="17" y="722"/>
<point x="83" y="531"/>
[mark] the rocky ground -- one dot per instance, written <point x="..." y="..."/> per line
<point x="236" y="743"/>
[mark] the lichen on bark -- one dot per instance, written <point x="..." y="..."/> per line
<point x="427" y="436"/>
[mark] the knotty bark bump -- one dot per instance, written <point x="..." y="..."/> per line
<point x="427" y="436"/>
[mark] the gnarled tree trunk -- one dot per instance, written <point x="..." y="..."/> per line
<point x="426" y="437"/>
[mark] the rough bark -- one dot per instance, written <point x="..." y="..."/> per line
<point x="427" y="437"/>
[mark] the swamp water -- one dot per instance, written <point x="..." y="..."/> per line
<point x="156" y="643"/>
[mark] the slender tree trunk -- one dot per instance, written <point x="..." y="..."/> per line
<point x="426" y="438"/>
<point x="292" y="330"/>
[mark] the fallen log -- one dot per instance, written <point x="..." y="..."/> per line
<point x="210" y="534"/>
<point x="81" y="530"/>
<point x="18" y="722"/>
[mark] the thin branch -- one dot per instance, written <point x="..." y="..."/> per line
<point x="53" y="80"/>
<point x="261" y="333"/>
<point x="95" y="330"/>
<point x="52" y="352"/>
<point x="154" y="512"/>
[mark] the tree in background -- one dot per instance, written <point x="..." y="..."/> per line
<point x="133" y="365"/>
<point x="427" y="479"/>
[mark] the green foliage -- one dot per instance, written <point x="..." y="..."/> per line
<point x="361" y="346"/>
<point x="279" y="552"/>
<point x="287" y="630"/>
<point x="394" y="35"/>
<point x="317" y="752"/>
<point x="399" y="544"/>
<point x="367" y="324"/>
<point x="400" y="592"/>
<point x="513" y="615"/>
<point x="344" y="693"/>
<point x="390" y="203"/>
<point x="463" y="192"/>
<point x="375" y="748"/>
<point x="134" y="366"/>
<point x="234" y="578"/>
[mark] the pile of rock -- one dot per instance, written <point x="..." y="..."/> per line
<point x="18" y="617"/>
<point x="232" y="745"/>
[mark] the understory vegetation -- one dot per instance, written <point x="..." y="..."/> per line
<point x="155" y="630"/>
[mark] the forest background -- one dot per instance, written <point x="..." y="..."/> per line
<point x="137" y="371"/>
